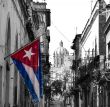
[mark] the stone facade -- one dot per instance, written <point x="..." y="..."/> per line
<point x="90" y="86"/>
<point x="13" y="36"/>
<point x="20" y="23"/>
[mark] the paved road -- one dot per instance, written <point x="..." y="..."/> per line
<point x="57" y="104"/>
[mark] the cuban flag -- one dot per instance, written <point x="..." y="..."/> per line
<point x="28" y="62"/>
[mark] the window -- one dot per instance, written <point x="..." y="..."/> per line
<point x="7" y="52"/>
<point x="62" y="61"/>
<point x="109" y="51"/>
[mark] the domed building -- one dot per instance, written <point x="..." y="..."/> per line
<point x="62" y="63"/>
<point x="59" y="54"/>
<point x="61" y="70"/>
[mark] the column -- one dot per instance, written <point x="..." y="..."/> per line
<point x="18" y="89"/>
<point x="11" y="89"/>
<point x="97" y="96"/>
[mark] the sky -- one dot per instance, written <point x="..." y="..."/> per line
<point x="68" y="18"/>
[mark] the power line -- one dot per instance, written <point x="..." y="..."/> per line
<point x="60" y="32"/>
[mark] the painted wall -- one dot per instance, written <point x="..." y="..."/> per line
<point x="11" y="29"/>
<point x="91" y="39"/>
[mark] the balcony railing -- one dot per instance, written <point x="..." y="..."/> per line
<point x="107" y="64"/>
<point x="89" y="71"/>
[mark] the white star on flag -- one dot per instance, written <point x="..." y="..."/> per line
<point x="28" y="53"/>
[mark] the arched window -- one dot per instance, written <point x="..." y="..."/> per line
<point x="15" y="74"/>
<point x="109" y="51"/>
<point x="7" y="52"/>
<point x="62" y="62"/>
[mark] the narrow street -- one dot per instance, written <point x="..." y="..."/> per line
<point x="57" y="104"/>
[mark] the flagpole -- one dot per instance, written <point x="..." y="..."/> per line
<point x="21" y="48"/>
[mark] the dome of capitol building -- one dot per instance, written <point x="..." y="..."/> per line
<point x="59" y="55"/>
<point x="61" y="50"/>
<point x="62" y="63"/>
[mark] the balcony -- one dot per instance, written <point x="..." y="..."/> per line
<point x="107" y="70"/>
<point x="89" y="72"/>
<point x="107" y="64"/>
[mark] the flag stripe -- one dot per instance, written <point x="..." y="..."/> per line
<point x="33" y="79"/>
<point x="27" y="80"/>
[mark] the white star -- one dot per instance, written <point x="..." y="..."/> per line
<point x="28" y="53"/>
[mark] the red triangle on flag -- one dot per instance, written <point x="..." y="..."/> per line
<point x="29" y="54"/>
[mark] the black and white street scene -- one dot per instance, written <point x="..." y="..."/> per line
<point x="54" y="53"/>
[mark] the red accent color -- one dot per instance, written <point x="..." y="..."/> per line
<point x="34" y="61"/>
